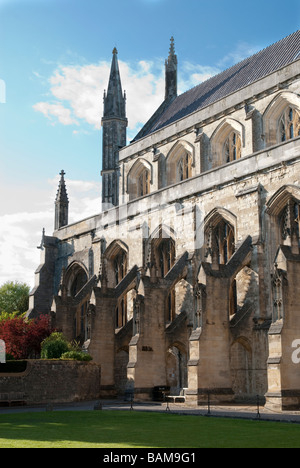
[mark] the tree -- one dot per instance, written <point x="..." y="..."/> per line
<point x="14" y="297"/>
<point x="23" y="337"/>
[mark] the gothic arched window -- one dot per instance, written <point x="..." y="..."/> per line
<point x="224" y="237"/>
<point x="121" y="313"/>
<point x="120" y="266"/>
<point x="220" y="242"/>
<point x="166" y="255"/>
<point x="143" y="183"/>
<point x="184" y="167"/>
<point x="289" y="124"/>
<point x="139" y="179"/>
<point x="79" y="280"/>
<point x="278" y="306"/>
<point x="179" y="163"/>
<point x="232" y="147"/>
<point x="290" y="221"/>
<point x="82" y="330"/>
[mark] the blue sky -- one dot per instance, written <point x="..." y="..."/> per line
<point x="55" y="57"/>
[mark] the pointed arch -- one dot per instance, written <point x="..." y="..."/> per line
<point x="275" y="112"/>
<point x="115" y="262"/>
<point x="217" y="214"/>
<point x="283" y="209"/>
<point x="76" y="277"/>
<point x="179" y="162"/>
<point x="227" y="141"/>
<point x="114" y="248"/>
<point x="139" y="179"/>
<point x="280" y="199"/>
<point x="220" y="234"/>
<point x="160" y="249"/>
<point x="75" y="281"/>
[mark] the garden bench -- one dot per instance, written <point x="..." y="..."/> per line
<point x="13" y="397"/>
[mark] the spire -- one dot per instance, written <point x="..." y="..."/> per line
<point x="171" y="72"/>
<point x="114" y="100"/>
<point x="61" y="203"/>
<point x="114" y="123"/>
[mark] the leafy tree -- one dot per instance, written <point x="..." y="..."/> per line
<point x="7" y="315"/>
<point x="14" y="296"/>
<point x="23" y="337"/>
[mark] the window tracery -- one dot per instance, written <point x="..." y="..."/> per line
<point x="290" y="221"/>
<point x="184" y="167"/>
<point x="166" y="255"/>
<point x="120" y="267"/>
<point x="289" y="124"/>
<point x="232" y="147"/>
<point x="200" y="304"/>
<point x="278" y="305"/>
<point x="143" y="183"/>
<point x="221" y="242"/>
<point x="121" y="313"/>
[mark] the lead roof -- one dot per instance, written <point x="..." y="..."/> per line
<point x="263" y="63"/>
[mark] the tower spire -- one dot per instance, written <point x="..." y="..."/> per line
<point x="61" y="203"/>
<point x="114" y="102"/>
<point x="114" y="123"/>
<point x="171" y="72"/>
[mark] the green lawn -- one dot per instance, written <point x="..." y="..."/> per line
<point x="125" y="429"/>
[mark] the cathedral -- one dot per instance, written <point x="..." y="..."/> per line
<point x="187" y="281"/>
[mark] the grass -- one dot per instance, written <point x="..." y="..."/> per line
<point x="124" y="429"/>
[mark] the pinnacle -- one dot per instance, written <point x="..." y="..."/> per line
<point x="172" y="46"/>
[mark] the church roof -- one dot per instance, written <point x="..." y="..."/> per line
<point x="263" y="63"/>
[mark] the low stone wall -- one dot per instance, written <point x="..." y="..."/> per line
<point x="54" y="381"/>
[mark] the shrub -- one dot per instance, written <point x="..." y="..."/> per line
<point x="77" y="356"/>
<point x="54" y="346"/>
<point x="23" y="337"/>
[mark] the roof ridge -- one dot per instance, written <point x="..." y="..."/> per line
<point x="231" y="79"/>
<point x="241" y="62"/>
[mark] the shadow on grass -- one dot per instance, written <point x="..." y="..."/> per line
<point x="124" y="429"/>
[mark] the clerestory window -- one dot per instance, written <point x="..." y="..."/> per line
<point x="143" y="183"/>
<point x="232" y="147"/>
<point x="166" y="254"/>
<point x="220" y="242"/>
<point x="120" y="266"/>
<point x="184" y="167"/>
<point x="121" y="313"/>
<point x="289" y="124"/>
<point x="225" y="241"/>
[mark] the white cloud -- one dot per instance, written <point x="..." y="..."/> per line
<point x="77" y="93"/>
<point x="192" y="74"/>
<point x="56" y="110"/>
<point x="20" y="234"/>
<point x="242" y="51"/>
<point x="21" y="231"/>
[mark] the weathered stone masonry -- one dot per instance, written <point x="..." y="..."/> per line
<point x="190" y="280"/>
